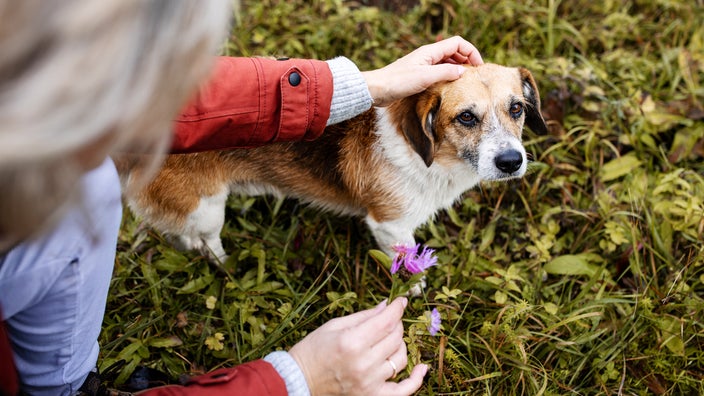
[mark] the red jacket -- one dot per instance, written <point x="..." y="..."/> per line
<point x="253" y="378"/>
<point x="248" y="102"/>
<point x="9" y="385"/>
<point x="254" y="101"/>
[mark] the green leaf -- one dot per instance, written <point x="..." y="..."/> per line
<point x="671" y="334"/>
<point x="666" y="120"/>
<point x="447" y="294"/>
<point x="452" y="214"/>
<point x="149" y="273"/>
<point x="344" y="301"/>
<point x="551" y="308"/>
<point x="500" y="297"/>
<point x="488" y="234"/>
<point x="246" y="225"/>
<point x="197" y="284"/>
<point x="380" y="257"/>
<point x="171" y="260"/>
<point x="571" y="265"/>
<point x="494" y="280"/>
<point x="130" y="350"/>
<point x="619" y="167"/>
<point x="128" y="369"/>
<point x="164" y="342"/>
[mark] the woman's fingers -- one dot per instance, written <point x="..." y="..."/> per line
<point x="364" y="351"/>
<point x="456" y="48"/>
<point x="388" y="344"/>
<point x="466" y="52"/>
<point x="429" y="64"/>
<point x="356" y="318"/>
<point x="388" y="353"/>
<point x="399" y="359"/>
<point x="408" y="386"/>
<point x="377" y="327"/>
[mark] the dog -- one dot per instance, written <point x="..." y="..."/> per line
<point x="396" y="166"/>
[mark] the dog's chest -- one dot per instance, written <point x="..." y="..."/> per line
<point x="432" y="190"/>
<point x="424" y="190"/>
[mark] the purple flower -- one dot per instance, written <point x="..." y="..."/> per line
<point x="405" y="250"/>
<point x="396" y="264"/>
<point x="408" y="256"/>
<point x="419" y="263"/>
<point x="434" y="325"/>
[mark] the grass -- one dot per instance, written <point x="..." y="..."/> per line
<point x="586" y="277"/>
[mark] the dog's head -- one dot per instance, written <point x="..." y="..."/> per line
<point x="476" y="120"/>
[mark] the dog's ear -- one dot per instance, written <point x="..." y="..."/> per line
<point x="416" y="117"/>
<point x="530" y="91"/>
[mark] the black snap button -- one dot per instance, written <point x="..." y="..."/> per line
<point x="294" y="79"/>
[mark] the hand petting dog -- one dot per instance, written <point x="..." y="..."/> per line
<point x="415" y="72"/>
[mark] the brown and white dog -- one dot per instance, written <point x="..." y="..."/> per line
<point x="396" y="166"/>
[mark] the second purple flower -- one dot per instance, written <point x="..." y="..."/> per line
<point x="435" y="321"/>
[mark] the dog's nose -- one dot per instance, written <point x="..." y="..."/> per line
<point x="509" y="161"/>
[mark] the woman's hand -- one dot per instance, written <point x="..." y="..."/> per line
<point x="420" y="69"/>
<point x="350" y="355"/>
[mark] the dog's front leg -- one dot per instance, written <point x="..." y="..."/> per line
<point x="390" y="233"/>
<point x="202" y="227"/>
<point x="396" y="232"/>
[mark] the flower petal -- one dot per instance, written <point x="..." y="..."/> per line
<point x="396" y="264"/>
<point x="403" y="249"/>
<point x="427" y="259"/>
<point x="418" y="263"/>
<point x="435" y="321"/>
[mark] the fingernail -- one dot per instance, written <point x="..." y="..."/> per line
<point x="425" y="369"/>
<point x="383" y="303"/>
<point x="404" y="301"/>
<point x="461" y="70"/>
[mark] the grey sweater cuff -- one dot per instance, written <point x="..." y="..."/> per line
<point x="350" y="95"/>
<point x="288" y="369"/>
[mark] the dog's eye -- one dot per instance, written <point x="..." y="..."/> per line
<point x="467" y="118"/>
<point x="516" y="110"/>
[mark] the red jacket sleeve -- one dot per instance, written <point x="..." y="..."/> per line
<point x="253" y="378"/>
<point x="9" y="382"/>
<point x="253" y="101"/>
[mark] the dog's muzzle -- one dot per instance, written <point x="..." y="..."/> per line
<point x="509" y="161"/>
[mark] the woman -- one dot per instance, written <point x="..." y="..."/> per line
<point x="80" y="80"/>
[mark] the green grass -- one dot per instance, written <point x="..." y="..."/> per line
<point x="585" y="278"/>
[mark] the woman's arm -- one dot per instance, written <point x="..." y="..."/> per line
<point x="253" y="101"/>
<point x="254" y="378"/>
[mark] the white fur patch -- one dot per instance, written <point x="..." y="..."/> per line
<point x="202" y="227"/>
<point x="424" y="189"/>
<point x="493" y="144"/>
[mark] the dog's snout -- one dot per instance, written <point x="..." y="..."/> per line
<point x="509" y="161"/>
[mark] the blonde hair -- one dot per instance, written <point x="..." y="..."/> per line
<point x="96" y="76"/>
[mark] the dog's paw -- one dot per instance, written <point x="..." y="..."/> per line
<point x="417" y="289"/>
<point x="211" y="248"/>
